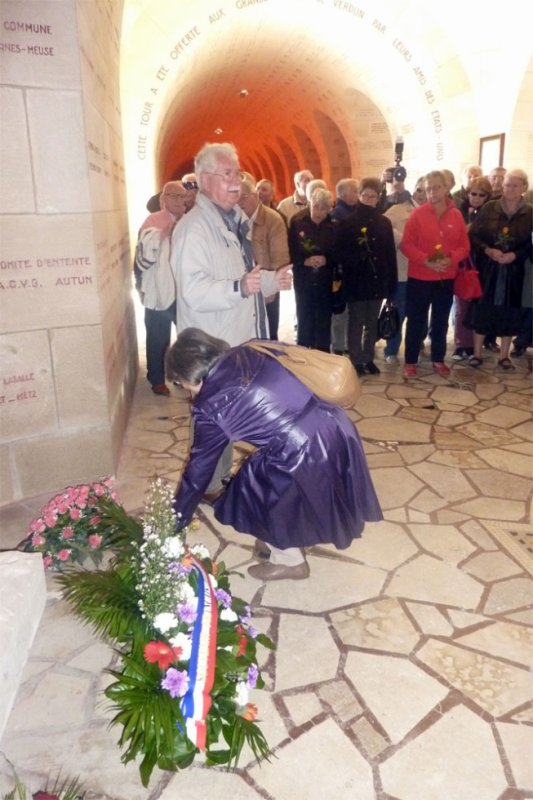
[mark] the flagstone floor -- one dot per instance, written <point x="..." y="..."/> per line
<point x="402" y="668"/>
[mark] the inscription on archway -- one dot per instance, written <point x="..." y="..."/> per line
<point x="187" y="41"/>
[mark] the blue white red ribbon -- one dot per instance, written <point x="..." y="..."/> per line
<point x="196" y="703"/>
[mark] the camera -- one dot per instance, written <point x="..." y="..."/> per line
<point x="397" y="172"/>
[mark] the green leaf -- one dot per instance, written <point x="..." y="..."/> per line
<point x="217" y="757"/>
<point x="265" y="641"/>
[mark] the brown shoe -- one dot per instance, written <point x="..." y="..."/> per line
<point x="161" y="388"/>
<point x="279" y="572"/>
<point x="261" y="549"/>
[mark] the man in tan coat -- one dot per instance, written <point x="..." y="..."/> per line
<point x="269" y="243"/>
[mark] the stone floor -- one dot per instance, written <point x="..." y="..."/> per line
<point x="402" y="669"/>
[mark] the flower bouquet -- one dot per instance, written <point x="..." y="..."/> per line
<point x="308" y="246"/>
<point x="68" y="530"/>
<point x="186" y="645"/>
<point x="504" y="241"/>
<point x="58" y="790"/>
<point x="437" y="256"/>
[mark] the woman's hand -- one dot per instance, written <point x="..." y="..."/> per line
<point x="499" y="257"/>
<point x="315" y="261"/>
<point x="439" y="265"/>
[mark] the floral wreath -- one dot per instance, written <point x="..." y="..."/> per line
<point x="186" y="644"/>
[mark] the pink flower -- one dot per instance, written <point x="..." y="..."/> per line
<point x="50" y="519"/>
<point x="95" y="520"/>
<point x="94" y="540"/>
<point x="99" y="490"/>
<point x="63" y="555"/>
<point x="67" y="533"/>
<point x="47" y="561"/>
<point x="37" y="526"/>
<point x="75" y="513"/>
<point x="37" y="540"/>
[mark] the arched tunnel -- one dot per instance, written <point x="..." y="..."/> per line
<point x="325" y="86"/>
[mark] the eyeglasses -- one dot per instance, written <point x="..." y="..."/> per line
<point x="478" y="194"/>
<point x="369" y="196"/>
<point x="229" y="175"/>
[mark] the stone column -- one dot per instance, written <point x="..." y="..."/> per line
<point x="68" y="350"/>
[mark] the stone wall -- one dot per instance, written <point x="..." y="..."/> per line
<point x="68" y="349"/>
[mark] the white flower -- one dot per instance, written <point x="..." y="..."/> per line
<point x="183" y="641"/>
<point x="165" y="622"/>
<point x="173" y="547"/>
<point x="200" y="551"/>
<point x="242" y="693"/>
<point x="228" y="616"/>
<point x="186" y="593"/>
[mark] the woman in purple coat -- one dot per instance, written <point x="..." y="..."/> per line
<point x="306" y="483"/>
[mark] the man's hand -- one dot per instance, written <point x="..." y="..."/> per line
<point x="284" y="278"/>
<point x="251" y="281"/>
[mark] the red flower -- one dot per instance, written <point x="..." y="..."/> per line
<point x="45" y="796"/>
<point x="162" y="654"/>
<point x="243" y="641"/>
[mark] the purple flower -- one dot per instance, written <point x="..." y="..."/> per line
<point x="187" y="612"/>
<point x="253" y="674"/>
<point x="251" y="631"/>
<point x="223" y="597"/>
<point x="176" y="682"/>
<point x="247" y="615"/>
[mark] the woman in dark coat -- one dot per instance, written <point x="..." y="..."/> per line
<point x="501" y="243"/>
<point x="367" y="253"/>
<point x="311" y="243"/>
<point x="307" y="482"/>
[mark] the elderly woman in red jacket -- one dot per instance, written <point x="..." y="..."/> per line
<point x="306" y="483"/>
<point x="435" y="240"/>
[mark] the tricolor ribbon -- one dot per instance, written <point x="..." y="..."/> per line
<point x="196" y="703"/>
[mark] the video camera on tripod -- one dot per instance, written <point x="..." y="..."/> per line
<point x="397" y="173"/>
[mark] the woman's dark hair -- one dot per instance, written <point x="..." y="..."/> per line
<point x="192" y="355"/>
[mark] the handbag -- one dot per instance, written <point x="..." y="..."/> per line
<point x="330" y="377"/>
<point x="338" y="295"/>
<point x="467" y="285"/>
<point x="388" y="321"/>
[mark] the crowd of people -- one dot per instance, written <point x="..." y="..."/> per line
<point x="213" y="259"/>
<point x="381" y="240"/>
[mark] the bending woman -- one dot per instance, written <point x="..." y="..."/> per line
<point x="307" y="482"/>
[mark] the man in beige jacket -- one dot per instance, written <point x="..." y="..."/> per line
<point x="269" y="243"/>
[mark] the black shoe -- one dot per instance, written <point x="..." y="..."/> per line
<point x="360" y="369"/>
<point x="372" y="369"/>
<point x="492" y="346"/>
<point x="518" y="351"/>
<point x="338" y="352"/>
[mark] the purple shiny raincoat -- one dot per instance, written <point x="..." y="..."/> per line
<point x="307" y="482"/>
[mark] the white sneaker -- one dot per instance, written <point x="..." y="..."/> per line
<point x="391" y="360"/>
